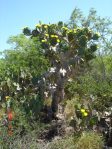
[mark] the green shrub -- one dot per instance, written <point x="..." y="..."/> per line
<point x="65" y="143"/>
<point x="89" y="140"/>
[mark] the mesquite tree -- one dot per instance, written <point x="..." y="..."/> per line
<point x="68" y="51"/>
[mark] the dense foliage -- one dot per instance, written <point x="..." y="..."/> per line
<point x="67" y="65"/>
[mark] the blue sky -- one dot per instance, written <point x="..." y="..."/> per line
<point x="15" y="14"/>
